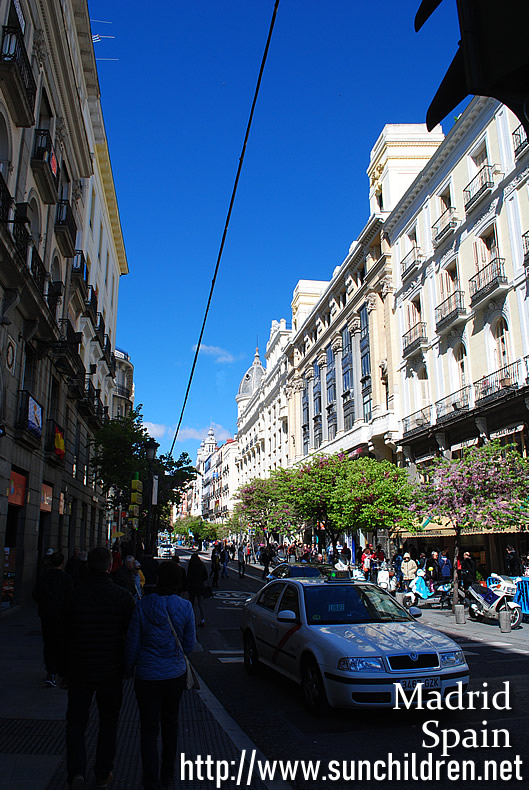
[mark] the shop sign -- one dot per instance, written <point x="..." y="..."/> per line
<point x="46" y="498"/>
<point x="17" y="489"/>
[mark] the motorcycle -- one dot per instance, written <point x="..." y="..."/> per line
<point x="419" y="590"/>
<point x="487" y="604"/>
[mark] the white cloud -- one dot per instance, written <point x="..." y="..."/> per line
<point x="156" y="431"/>
<point x="221" y="434"/>
<point x="221" y="355"/>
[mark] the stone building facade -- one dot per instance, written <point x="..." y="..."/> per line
<point x="61" y="257"/>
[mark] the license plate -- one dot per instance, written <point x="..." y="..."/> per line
<point x="427" y="683"/>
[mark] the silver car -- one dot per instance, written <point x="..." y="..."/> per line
<point x="348" y="644"/>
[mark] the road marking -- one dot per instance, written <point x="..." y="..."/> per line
<point x="471" y="653"/>
<point x="226" y="652"/>
<point x="233" y="608"/>
<point x="231" y="660"/>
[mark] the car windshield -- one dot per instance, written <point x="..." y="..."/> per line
<point x="304" y="570"/>
<point x="341" y="604"/>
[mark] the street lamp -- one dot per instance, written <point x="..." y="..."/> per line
<point x="150" y="448"/>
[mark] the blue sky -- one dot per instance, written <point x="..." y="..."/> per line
<point x="176" y="92"/>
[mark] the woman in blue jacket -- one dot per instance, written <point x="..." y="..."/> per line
<point x="160" y="671"/>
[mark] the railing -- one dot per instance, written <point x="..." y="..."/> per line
<point x="417" y="421"/>
<point x="14" y="51"/>
<point x="6" y="201"/>
<point x="91" y="304"/>
<point x="519" y="139"/>
<point x="79" y="268"/>
<point x="446" y="222"/>
<point x="65" y="219"/>
<point x="492" y="274"/>
<point x="100" y="328"/>
<point x="525" y="241"/>
<point x="416" y="334"/>
<point x="507" y="378"/>
<point x="123" y="392"/>
<point x="68" y="333"/>
<point x="412" y="259"/>
<point x="21" y="238"/>
<point x="38" y="271"/>
<point x="454" y="304"/>
<point x="480" y="184"/>
<point x="457" y="401"/>
<point x="44" y="152"/>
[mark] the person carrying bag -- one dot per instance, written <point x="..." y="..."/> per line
<point x="161" y="633"/>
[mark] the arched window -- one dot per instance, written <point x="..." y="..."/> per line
<point x="501" y="343"/>
<point x="34" y="221"/>
<point x="460" y="357"/>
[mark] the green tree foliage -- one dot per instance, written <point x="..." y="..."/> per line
<point x="375" y="495"/>
<point x="263" y="505"/>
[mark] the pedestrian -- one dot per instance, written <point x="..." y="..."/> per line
<point x="73" y="566"/>
<point x="182" y="578"/>
<point x="125" y="576"/>
<point x="51" y="593"/>
<point x="366" y="562"/>
<point x="160" y="671"/>
<point x="197" y="577"/>
<point x="468" y="570"/>
<point x="149" y="567"/>
<point x="265" y="561"/>
<point x="241" y="561"/>
<point x="408" y="569"/>
<point x="512" y="563"/>
<point x="224" y="560"/>
<point x="445" y="566"/>
<point x="215" y="566"/>
<point x="433" y="572"/>
<point x="97" y="617"/>
<point x="138" y="579"/>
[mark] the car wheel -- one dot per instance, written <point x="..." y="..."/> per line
<point x="313" y="688"/>
<point x="251" y="658"/>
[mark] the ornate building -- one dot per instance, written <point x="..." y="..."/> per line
<point x="61" y="257"/>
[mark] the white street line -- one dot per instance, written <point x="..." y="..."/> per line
<point x="231" y="660"/>
<point x="470" y="653"/>
<point x="226" y="652"/>
<point x="234" y="608"/>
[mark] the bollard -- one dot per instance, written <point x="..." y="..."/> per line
<point x="505" y="621"/>
<point x="459" y="611"/>
<point x="400" y="598"/>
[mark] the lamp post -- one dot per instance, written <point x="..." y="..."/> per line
<point x="151" y="447"/>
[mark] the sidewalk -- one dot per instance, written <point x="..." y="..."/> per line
<point x="485" y="631"/>
<point x="32" y="725"/>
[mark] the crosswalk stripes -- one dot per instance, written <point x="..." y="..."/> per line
<point x="228" y="656"/>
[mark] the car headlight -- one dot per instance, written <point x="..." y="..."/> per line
<point x="364" y="664"/>
<point x="452" y="659"/>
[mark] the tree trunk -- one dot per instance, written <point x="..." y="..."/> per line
<point x="455" y="595"/>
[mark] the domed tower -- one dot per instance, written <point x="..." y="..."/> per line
<point x="250" y="383"/>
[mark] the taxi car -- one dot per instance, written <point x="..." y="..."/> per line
<point x="286" y="570"/>
<point x="347" y="643"/>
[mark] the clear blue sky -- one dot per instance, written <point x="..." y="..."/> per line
<point x="176" y="101"/>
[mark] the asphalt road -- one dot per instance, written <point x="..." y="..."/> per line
<point x="269" y="709"/>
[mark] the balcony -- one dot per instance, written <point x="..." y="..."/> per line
<point x="453" y="404"/>
<point x="100" y="331"/>
<point x="54" y="445"/>
<point x="519" y="140"/>
<point x="446" y="223"/>
<point x="6" y="201"/>
<point x="79" y="280"/>
<point x="54" y="295"/>
<point x="415" y="339"/>
<point x="411" y="261"/>
<point x="525" y="241"/>
<point x="121" y="391"/>
<point x="21" y="236"/>
<point x="91" y="306"/>
<point x="45" y="166"/>
<point x="29" y="420"/>
<point x="38" y="272"/>
<point x="500" y="383"/>
<point x="482" y="184"/>
<point x="418" y="421"/>
<point x="65" y="228"/>
<point x="87" y="404"/>
<point x="108" y="356"/>
<point x="450" y="312"/>
<point x="488" y="280"/>
<point x="76" y="381"/>
<point x="16" y="77"/>
<point x="65" y="351"/>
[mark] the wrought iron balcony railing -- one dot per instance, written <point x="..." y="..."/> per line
<point x="487" y="279"/>
<point x="45" y="166"/>
<point x="506" y="379"/>
<point x="410" y="261"/>
<point x="453" y="404"/>
<point x="38" y="271"/>
<point x="447" y="222"/>
<point x="65" y="228"/>
<point x="525" y="241"/>
<point x="482" y="183"/>
<point x="6" y="201"/>
<point x="21" y="87"/>
<point x="416" y="336"/>
<point x="450" y="309"/>
<point x="519" y="139"/>
<point x="419" y="420"/>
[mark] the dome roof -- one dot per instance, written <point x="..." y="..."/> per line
<point x="252" y="378"/>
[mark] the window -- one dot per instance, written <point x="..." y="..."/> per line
<point x="479" y="157"/>
<point x="331" y="392"/>
<point x="460" y="357"/>
<point x="445" y="201"/>
<point x="485" y="248"/>
<point x="346" y="378"/>
<point x="92" y="207"/>
<point x="501" y="341"/>
<point x="413" y="312"/>
<point x="346" y="340"/>
<point x="448" y="281"/>
<point x="330" y="355"/>
<point x="424" y="394"/>
<point x="316" y="370"/>
<point x="290" y="600"/>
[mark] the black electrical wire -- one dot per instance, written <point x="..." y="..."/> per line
<point x="226" y="225"/>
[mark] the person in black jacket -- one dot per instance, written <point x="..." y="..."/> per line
<point x="197" y="577"/>
<point x="97" y="616"/>
<point x="124" y="576"/>
<point x="51" y="592"/>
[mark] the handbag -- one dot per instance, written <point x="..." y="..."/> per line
<point x="191" y="678"/>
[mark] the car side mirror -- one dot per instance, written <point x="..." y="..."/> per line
<point x="287" y="616"/>
<point x="415" y="611"/>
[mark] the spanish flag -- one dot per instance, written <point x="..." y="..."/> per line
<point x="60" y="449"/>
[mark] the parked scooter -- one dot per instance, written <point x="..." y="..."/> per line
<point x="487" y="603"/>
<point x="419" y="591"/>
